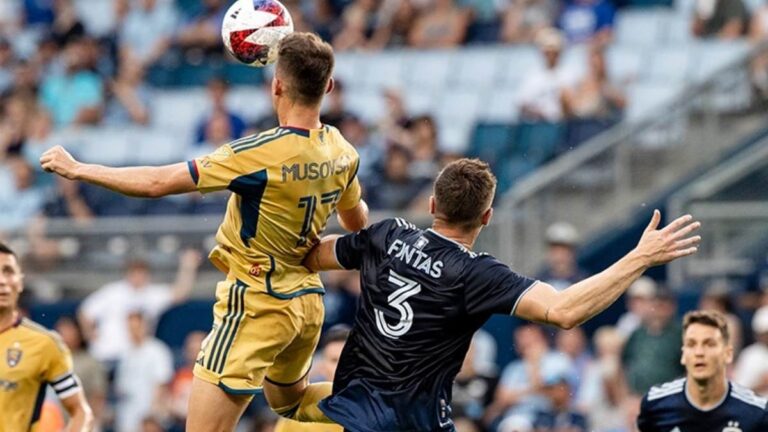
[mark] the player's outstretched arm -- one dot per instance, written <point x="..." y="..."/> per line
<point x="585" y="299"/>
<point x="323" y="256"/>
<point x="80" y="414"/>
<point x="354" y="219"/>
<point x="149" y="182"/>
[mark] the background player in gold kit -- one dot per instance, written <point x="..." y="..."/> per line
<point x="34" y="358"/>
<point x="286" y="182"/>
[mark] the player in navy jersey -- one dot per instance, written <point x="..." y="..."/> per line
<point x="425" y="293"/>
<point x="703" y="401"/>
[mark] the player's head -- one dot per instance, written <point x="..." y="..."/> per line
<point x="707" y="348"/>
<point x="303" y="72"/>
<point x="11" y="279"/>
<point x="463" y="194"/>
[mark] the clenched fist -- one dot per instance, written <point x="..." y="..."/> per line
<point x="59" y="161"/>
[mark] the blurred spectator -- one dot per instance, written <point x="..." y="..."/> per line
<point x="66" y="24"/>
<point x="130" y="97"/>
<point x="38" y="12"/>
<point x="758" y="33"/>
<point x="359" y="24"/>
<point x="484" y="20"/>
<point x="422" y="141"/>
<point x="473" y="390"/>
<point x="342" y="289"/>
<point x="395" y="189"/>
<point x="20" y="200"/>
<point x="181" y="383"/>
<point x="542" y="89"/>
<point x="465" y="424"/>
<point x="562" y="269"/>
<point x="442" y="25"/>
<point x="146" y="32"/>
<point x="321" y="17"/>
<point x="217" y="133"/>
<point x="587" y="21"/>
<point x="397" y="18"/>
<point x="521" y="385"/>
<point x="332" y="344"/>
<point x="602" y="392"/>
<point x="217" y="92"/>
<point x="25" y="77"/>
<point x="142" y="375"/>
<point x="335" y="111"/>
<point x="151" y="424"/>
<point x="717" y="297"/>
<point x="573" y="343"/>
<point x="639" y="298"/>
<point x="594" y="97"/>
<point x="560" y="417"/>
<point x="93" y="376"/>
<point x="103" y="314"/>
<point x="524" y="19"/>
<point x="202" y="33"/>
<point x="38" y="136"/>
<point x="659" y="334"/>
<point x="16" y="112"/>
<point x="7" y="60"/>
<point x="723" y="19"/>
<point x="76" y="95"/>
<point x="369" y="148"/>
<point x="751" y="368"/>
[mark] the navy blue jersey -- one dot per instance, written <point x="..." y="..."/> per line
<point x="666" y="408"/>
<point x="423" y="297"/>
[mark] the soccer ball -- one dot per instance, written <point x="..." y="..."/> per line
<point x="252" y="29"/>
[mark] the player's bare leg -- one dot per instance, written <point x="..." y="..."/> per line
<point x="298" y="401"/>
<point x="211" y="409"/>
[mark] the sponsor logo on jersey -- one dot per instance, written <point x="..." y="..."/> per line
<point x="316" y="170"/>
<point x="733" y="426"/>
<point x="8" y="385"/>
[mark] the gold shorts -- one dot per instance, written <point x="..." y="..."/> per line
<point x="256" y="336"/>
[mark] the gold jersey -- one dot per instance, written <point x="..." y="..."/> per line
<point x="286" y="183"/>
<point x="34" y="358"/>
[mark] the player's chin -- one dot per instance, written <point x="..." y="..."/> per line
<point x="700" y="373"/>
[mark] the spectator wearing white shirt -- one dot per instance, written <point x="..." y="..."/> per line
<point x="146" y="32"/>
<point x="752" y="366"/>
<point x="103" y="315"/>
<point x="142" y="376"/>
<point x="541" y="94"/>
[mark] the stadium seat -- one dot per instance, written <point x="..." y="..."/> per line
<point x="625" y="64"/>
<point x="646" y="99"/>
<point x="348" y="69"/>
<point x="106" y="145"/>
<point x="178" y="321"/>
<point x="251" y="102"/>
<point x="669" y="65"/>
<point x="430" y="70"/>
<point x="459" y="106"/>
<point x="499" y="105"/>
<point x="638" y="27"/>
<point x="98" y="16"/>
<point x="381" y="71"/>
<point x="368" y="104"/>
<point x="536" y="143"/>
<point x="454" y="137"/>
<point x="156" y="147"/>
<point x="677" y="31"/>
<point x="516" y="63"/>
<point x="478" y="69"/>
<point x="179" y="110"/>
<point x="491" y="142"/>
<point x="419" y="101"/>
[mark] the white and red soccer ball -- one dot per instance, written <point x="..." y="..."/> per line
<point x="252" y="30"/>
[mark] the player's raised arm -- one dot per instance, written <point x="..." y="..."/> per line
<point x="585" y="299"/>
<point x="354" y="219"/>
<point x="146" y="181"/>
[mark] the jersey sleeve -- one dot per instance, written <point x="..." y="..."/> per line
<point x="351" y="248"/>
<point x="493" y="288"/>
<point x="58" y="372"/>
<point x="645" y="419"/>
<point x="215" y="171"/>
<point x="353" y="192"/>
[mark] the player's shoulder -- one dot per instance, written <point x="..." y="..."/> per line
<point x="43" y="334"/>
<point x="665" y="391"/>
<point x="748" y="397"/>
<point x="258" y="139"/>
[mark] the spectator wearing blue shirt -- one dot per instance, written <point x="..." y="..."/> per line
<point x="560" y="417"/>
<point x="217" y="91"/>
<point x="75" y="96"/>
<point x="146" y="33"/>
<point x="587" y="20"/>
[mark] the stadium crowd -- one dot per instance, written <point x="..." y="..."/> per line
<point x="62" y="69"/>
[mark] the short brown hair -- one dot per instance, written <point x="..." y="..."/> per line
<point x="464" y="190"/>
<point x="305" y="62"/>
<point x="708" y="318"/>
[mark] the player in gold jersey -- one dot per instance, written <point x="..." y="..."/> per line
<point x="34" y="358"/>
<point x="286" y="182"/>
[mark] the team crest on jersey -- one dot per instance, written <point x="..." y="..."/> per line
<point x="13" y="355"/>
<point x="733" y="426"/>
<point x="221" y="154"/>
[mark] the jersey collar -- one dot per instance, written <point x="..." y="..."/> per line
<point x="716" y="406"/>
<point x="15" y="324"/>
<point x="464" y="248"/>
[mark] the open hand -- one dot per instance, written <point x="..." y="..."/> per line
<point x="59" y="161"/>
<point x="660" y="246"/>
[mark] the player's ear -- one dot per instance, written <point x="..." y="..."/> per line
<point x="331" y="86"/>
<point x="277" y="86"/>
<point x="486" y="219"/>
<point x="432" y="204"/>
<point x="729" y="354"/>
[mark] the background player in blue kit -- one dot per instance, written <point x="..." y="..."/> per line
<point x="425" y="293"/>
<point x="703" y="401"/>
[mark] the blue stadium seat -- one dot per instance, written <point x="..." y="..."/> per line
<point x="536" y="143"/>
<point x="240" y="74"/>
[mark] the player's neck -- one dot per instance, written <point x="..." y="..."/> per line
<point x="707" y="394"/>
<point x="8" y="317"/>
<point x="466" y="239"/>
<point x="299" y="116"/>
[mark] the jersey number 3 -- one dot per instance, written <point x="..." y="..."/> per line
<point x="398" y="301"/>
